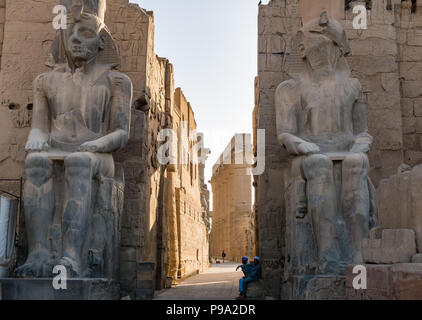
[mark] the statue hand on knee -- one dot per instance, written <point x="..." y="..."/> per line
<point x="308" y="148"/>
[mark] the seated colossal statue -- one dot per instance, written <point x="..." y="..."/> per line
<point x="73" y="192"/>
<point x="321" y="122"/>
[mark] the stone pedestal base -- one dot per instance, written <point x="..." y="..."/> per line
<point x="42" y="289"/>
<point x="256" y="290"/>
<point x="401" y="281"/>
<point x="311" y="287"/>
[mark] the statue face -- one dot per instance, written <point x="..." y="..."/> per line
<point x="84" y="42"/>
<point x="321" y="53"/>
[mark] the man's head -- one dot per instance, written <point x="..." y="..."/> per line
<point x="86" y="38"/>
<point x="322" y="42"/>
<point x="244" y="260"/>
<point x="256" y="260"/>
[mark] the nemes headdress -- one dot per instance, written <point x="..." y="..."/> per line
<point x="91" y="12"/>
<point x="329" y="28"/>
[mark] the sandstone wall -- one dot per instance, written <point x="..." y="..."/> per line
<point x="232" y="223"/>
<point x="2" y="21"/>
<point x="409" y="39"/>
<point x="191" y="253"/>
<point x="384" y="58"/>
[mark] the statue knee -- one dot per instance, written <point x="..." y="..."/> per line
<point x="38" y="168"/>
<point x="356" y="164"/>
<point x="317" y="165"/>
<point x="78" y="164"/>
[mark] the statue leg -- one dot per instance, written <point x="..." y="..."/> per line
<point x="39" y="209"/>
<point x="355" y="201"/>
<point x="321" y="194"/>
<point x="80" y="170"/>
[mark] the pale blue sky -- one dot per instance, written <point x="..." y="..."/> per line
<point x="213" y="47"/>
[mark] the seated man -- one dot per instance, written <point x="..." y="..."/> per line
<point x="81" y="115"/>
<point x="253" y="275"/>
<point x="245" y="266"/>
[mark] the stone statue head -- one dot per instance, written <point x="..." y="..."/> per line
<point x="86" y="37"/>
<point x="322" y="43"/>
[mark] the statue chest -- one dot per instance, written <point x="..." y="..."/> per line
<point x="326" y="110"/>
<point x="79" y="104"/>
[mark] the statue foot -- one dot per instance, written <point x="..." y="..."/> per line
<point x="37" y="265"/>
<point x="331" y="264"/>
<point x="72" y="267"/>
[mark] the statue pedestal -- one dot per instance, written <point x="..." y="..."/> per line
<point x="399" y="281"/>
<point x="42" y="289"/>
<point x="314" y="287"/>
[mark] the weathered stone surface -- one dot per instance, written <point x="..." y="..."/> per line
<point x="148" y="186"/>
<point x="376" y="66"/>
<point x="399" y="202"/>
<point x="255" y="291"/>
<point x="418" y="108"/>
<point x="42" y="289"/>
<point x="417" y="258"/>
<point x="388" y="246"/>
<point x="309" y="9"/>
<point x="379" y="283"/>
<point x="71" y="145"/>
<point x="402" y="281"/>
<point x="329" y="199"/>
<point x="315" y="288"/>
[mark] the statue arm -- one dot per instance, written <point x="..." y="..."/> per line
<point x="286" y="120"/>
<point x="39" y="134"/>
<point x="363" y="140"/>
<point x="120" y="114"/>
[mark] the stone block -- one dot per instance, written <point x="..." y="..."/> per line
<point x="311" y="287"/>
<point x="407" y="281"/>
<point x="400" y="202"/>
<point x="379" y="283"/>
<point x="414" y="37"/>
<point x="410" y="141"/>
<point x="402" y="281"/>
<point x="145" y="271"/>
<point x="418" y="108"/>
<point x="144" y="294"/>
<point x="370" y="65"/>
<point x="407" y="107"/>
<point x="256" y="290"/>
<point x="42" y="289"/>
<point x="309" y="9"/>
<point x="417" y="258"/>
<point x="418" y="125"/>
<point x="128" y="254"/>
<point x="374" y="47"/>
<point x="412" y="157"/>
<point x="411" y="53"/>
<point x="389" y="246"/>
<point x="145" y="284"/>
<point x="412" y="89"/>
<point x="411" y="70"/>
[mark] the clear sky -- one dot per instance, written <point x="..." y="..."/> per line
<point x="213" y="47"/>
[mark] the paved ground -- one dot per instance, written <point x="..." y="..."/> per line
<point x="219" y="282"/>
